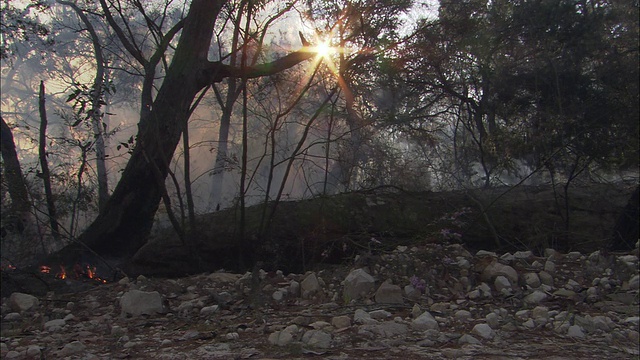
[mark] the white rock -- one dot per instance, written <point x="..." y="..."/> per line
<point x="225" y="278"/>
<point x="14" y="316"/>
<point x="385" y="329"/>
<point x="294" y="288"/>
<point x="540" y="312"/>
<point x="529" y="324"/>
<point x="425" y="322"/>
<point x="532" y="280"/>
<point x="280" y="338"/>
<point x="389" y="294"/>
<point x="468" y="339"/>
<point x="462" y="315"/>
<point x="54" y="325"/>
<point x="33" y="351"/>
<point x="232" y="336"/>
<point x="357" y="283"/>
<point x="22" y="302"/>
<point x="523" y="254"/>
<point x="535" y="297"/>
<point x="502" y="283"/>
<point x="493" y="320"/>
<point x="380" y="314"/>
<point x="507" y="257"/>
<point x="341" y="322"/>
<point x="136" y="302"/>
<point x="496" y="269"/>
<point x="575" y="331"/>
<point x="574" y="255"/>
<point x="546" y="278"/>
<point x="486" y="253"/>
<point x="549" y="266"/>
<point x="317" y="338"/>
<point x="208" y="310"/>
<point x="363" y="317"/>
<point x="411" y="292"/>
<point x="72" y="348"/>
<point x="483" y="330"/>
<point x="310" y="285"/>
<point x="278" y="295"/>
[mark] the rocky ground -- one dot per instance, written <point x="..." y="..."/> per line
<point x="432" y="302"/>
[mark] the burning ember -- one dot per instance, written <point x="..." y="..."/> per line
<point x="88" y="272"/>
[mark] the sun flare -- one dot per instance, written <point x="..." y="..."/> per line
<point x="325" y="50"/>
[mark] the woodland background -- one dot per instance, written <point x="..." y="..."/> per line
<point x="124" y="119"/>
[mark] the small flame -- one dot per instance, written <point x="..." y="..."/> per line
<point x="62" y="274"/>
<point x="11" y="267"/>
<point x="45" y="269"/>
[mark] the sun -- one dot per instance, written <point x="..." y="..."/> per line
<point x="325" y="50"/>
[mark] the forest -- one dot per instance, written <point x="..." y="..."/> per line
<point x="124" y="119"/>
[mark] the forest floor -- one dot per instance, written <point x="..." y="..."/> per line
<point x="478" y="305"/>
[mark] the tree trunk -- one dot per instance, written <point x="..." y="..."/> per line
<point x="46" y="177"/>
<point x="12" y="172"/>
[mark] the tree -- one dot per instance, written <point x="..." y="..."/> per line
<point x="122" y="227"/>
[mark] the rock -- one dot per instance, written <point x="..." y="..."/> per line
<point x="389" y="294"/>
<point x="493" y="320"/>
<point x="523" y="255"/>
<point x="380" y="314"/>
<point x="412" y="293"/>
<point x="33" y="351"/>
<point x="341" y="322"/>
<point x="224" y="278"/>
<point x="14" y="316"/>
<point x="294" y="288"/>
<point x="535" y="297"/>
<point x="317" y="338"/>
<point x="310" y="285"/>
<point x="22" y="302"/>
<point x="502" y="283"/>
<point x="278" y="295"/>
<point x="468" y="339"/>
<point x="280" y="338"/>
<point x="208" y="310"/>
<point x="575" y="331"/>
<point x="363" y="317"/>
<point x="357" y="284"/>
<point x="540" y="313"/>
<point x="72" y="348"/>
<point x="136" y="302"/>
<point x="415" y="311"/>
<point x="546" y="278"/>
<point x="549" y="266"/>
<point x="634" y="282"/>
<point x="385" y="329"/>
<point x="495" y="269"/>
<point x="532" y="280"/>
<point x="54" y="325"/>
<point x="462" y="315"/>
<point x="484" y="331"/>
<point x="425" y="322"/>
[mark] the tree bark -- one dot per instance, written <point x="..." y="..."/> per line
<point x="44" y="165"/>
<point x="122" y="228"/>
<point x="16" y="185"/>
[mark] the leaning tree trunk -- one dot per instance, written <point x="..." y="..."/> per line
<point x="124" y="224"/>
<point x="16" y="185"/>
